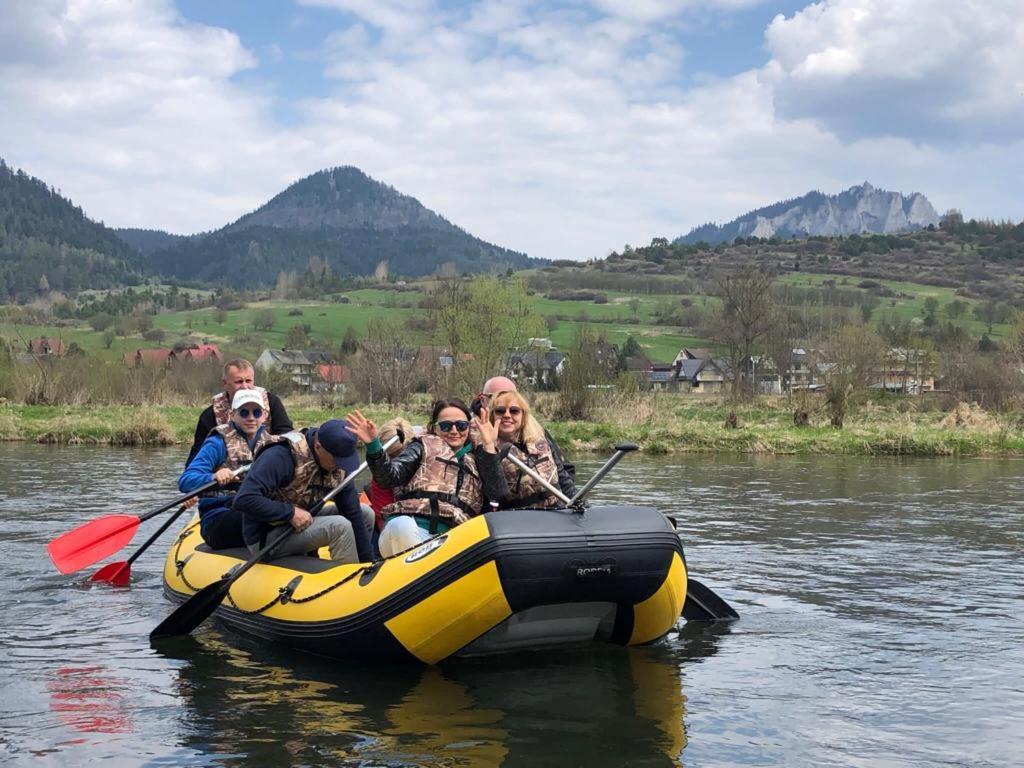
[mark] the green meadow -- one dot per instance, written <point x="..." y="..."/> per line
<point x="622" y="316"/>
<point x="328" y="322"/>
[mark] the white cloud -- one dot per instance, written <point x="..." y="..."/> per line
<point x="561" y="131"/>
<point x="915" y="68"/>
<point x="132" y="112"/>
<point x="394" y="16"/>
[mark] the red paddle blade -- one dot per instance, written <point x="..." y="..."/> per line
<point x="91" y="542"/>
<point x="118" y="574"/>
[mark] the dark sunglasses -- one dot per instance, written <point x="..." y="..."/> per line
<point x="446" y="426"/>
<point x="501" y="410"/>
<point x="244" y="412"/>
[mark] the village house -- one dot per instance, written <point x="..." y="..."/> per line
<point x="148" y="357"/>
<point x="905" y="371"/>
<point x="331" y="377"/>
<point x="640" y="367"/>
<point x="46" y="347"/>
<point x="294" y="363"/>
<point x="765" y="378"/>
<point x="200" y="353"/>
<point x="535" y="367"/>
<point x="662" y="377"/>
<point x="702" y="375"/>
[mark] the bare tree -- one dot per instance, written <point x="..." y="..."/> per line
<point x="582" y="369"/>
<point x="386" y="366"/>
<point x="778" y="342"/>
<point x="745" y="317"/>
<point x="847" y="359"/>
<point x="478" y="321"/>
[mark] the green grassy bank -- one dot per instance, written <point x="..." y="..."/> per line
<point x="659" y="424"/>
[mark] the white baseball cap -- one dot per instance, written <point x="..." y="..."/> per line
<point x="244" y="396"/>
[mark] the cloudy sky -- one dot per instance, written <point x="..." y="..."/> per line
<point x="563" y="129"/>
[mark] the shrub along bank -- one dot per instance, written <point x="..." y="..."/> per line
<point x="660" y="424"/>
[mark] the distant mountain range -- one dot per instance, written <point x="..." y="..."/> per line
<point x="340" y="216"/>
<point x="858" y="210"/>
<point x="48" y="244"/>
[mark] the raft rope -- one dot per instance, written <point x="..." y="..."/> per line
<point x="179" y="564"/>
<point x="284" y="594"/>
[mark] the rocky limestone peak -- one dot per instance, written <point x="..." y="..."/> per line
<point x="857" y="210"/>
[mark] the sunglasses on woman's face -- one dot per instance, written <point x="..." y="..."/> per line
<point x="501" y="410"/>
<point x="244" y="412"/>
<point x="446" y="426"/>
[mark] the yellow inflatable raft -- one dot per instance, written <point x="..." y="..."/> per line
<point x="508" y="580"/>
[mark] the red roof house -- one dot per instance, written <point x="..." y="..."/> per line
<point x="202" y="352"/>
<point x="333" y="376"/>
<point x="44" y="346"/>
<point x="149" y="357"/>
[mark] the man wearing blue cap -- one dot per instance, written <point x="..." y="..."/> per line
<point x="289" y="475"/>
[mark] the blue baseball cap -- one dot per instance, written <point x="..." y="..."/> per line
<point x="338" y="440"/>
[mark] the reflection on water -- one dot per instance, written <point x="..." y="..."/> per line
<point x="89" y="699"/>
<point x="625" y="705"/>
<point x="880" y="625"/>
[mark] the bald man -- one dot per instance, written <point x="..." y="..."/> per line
<point x="566" y="469"/>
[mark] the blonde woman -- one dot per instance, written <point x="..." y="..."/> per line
<point x="518" y="429"/>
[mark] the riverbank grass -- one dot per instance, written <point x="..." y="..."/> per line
<point x="659" y="424"/>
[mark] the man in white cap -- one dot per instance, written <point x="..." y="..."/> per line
<point x="227" y="447"/>
<point x="238" y="374"/>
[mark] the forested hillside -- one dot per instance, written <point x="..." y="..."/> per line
<point x="338" y="217"/>
<point x="980" y="259"/>
<point x="148" y="241"/>
<point x="47" y="243"/>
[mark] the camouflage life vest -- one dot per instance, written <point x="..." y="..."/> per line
<point x="238" y="452"/>
<point x="309" y="483"/>
<point x="443" y="488"/>
<point x="524" y="491"/>
<point x="222" y="407"/>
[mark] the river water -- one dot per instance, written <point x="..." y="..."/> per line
<point x="881" y="626"/>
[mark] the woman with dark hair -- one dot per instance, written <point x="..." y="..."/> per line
<point x="440" y="480"/>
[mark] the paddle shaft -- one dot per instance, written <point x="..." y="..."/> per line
<point x="156" y="535"/>
<point x="185" y="497"/>
<point x="197" y="608"/>
<point x="620" y="450"/>
<point x="533" y="473"/>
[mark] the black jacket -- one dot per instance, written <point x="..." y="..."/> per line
<point x="273" y="469"/>
<point x="391" y="472"/>
<point x="279" y="424"/>
<point x="566" y="469"/>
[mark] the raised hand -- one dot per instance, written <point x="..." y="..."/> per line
<point x="482" y="432"/>
<point x="361" y="427"/>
